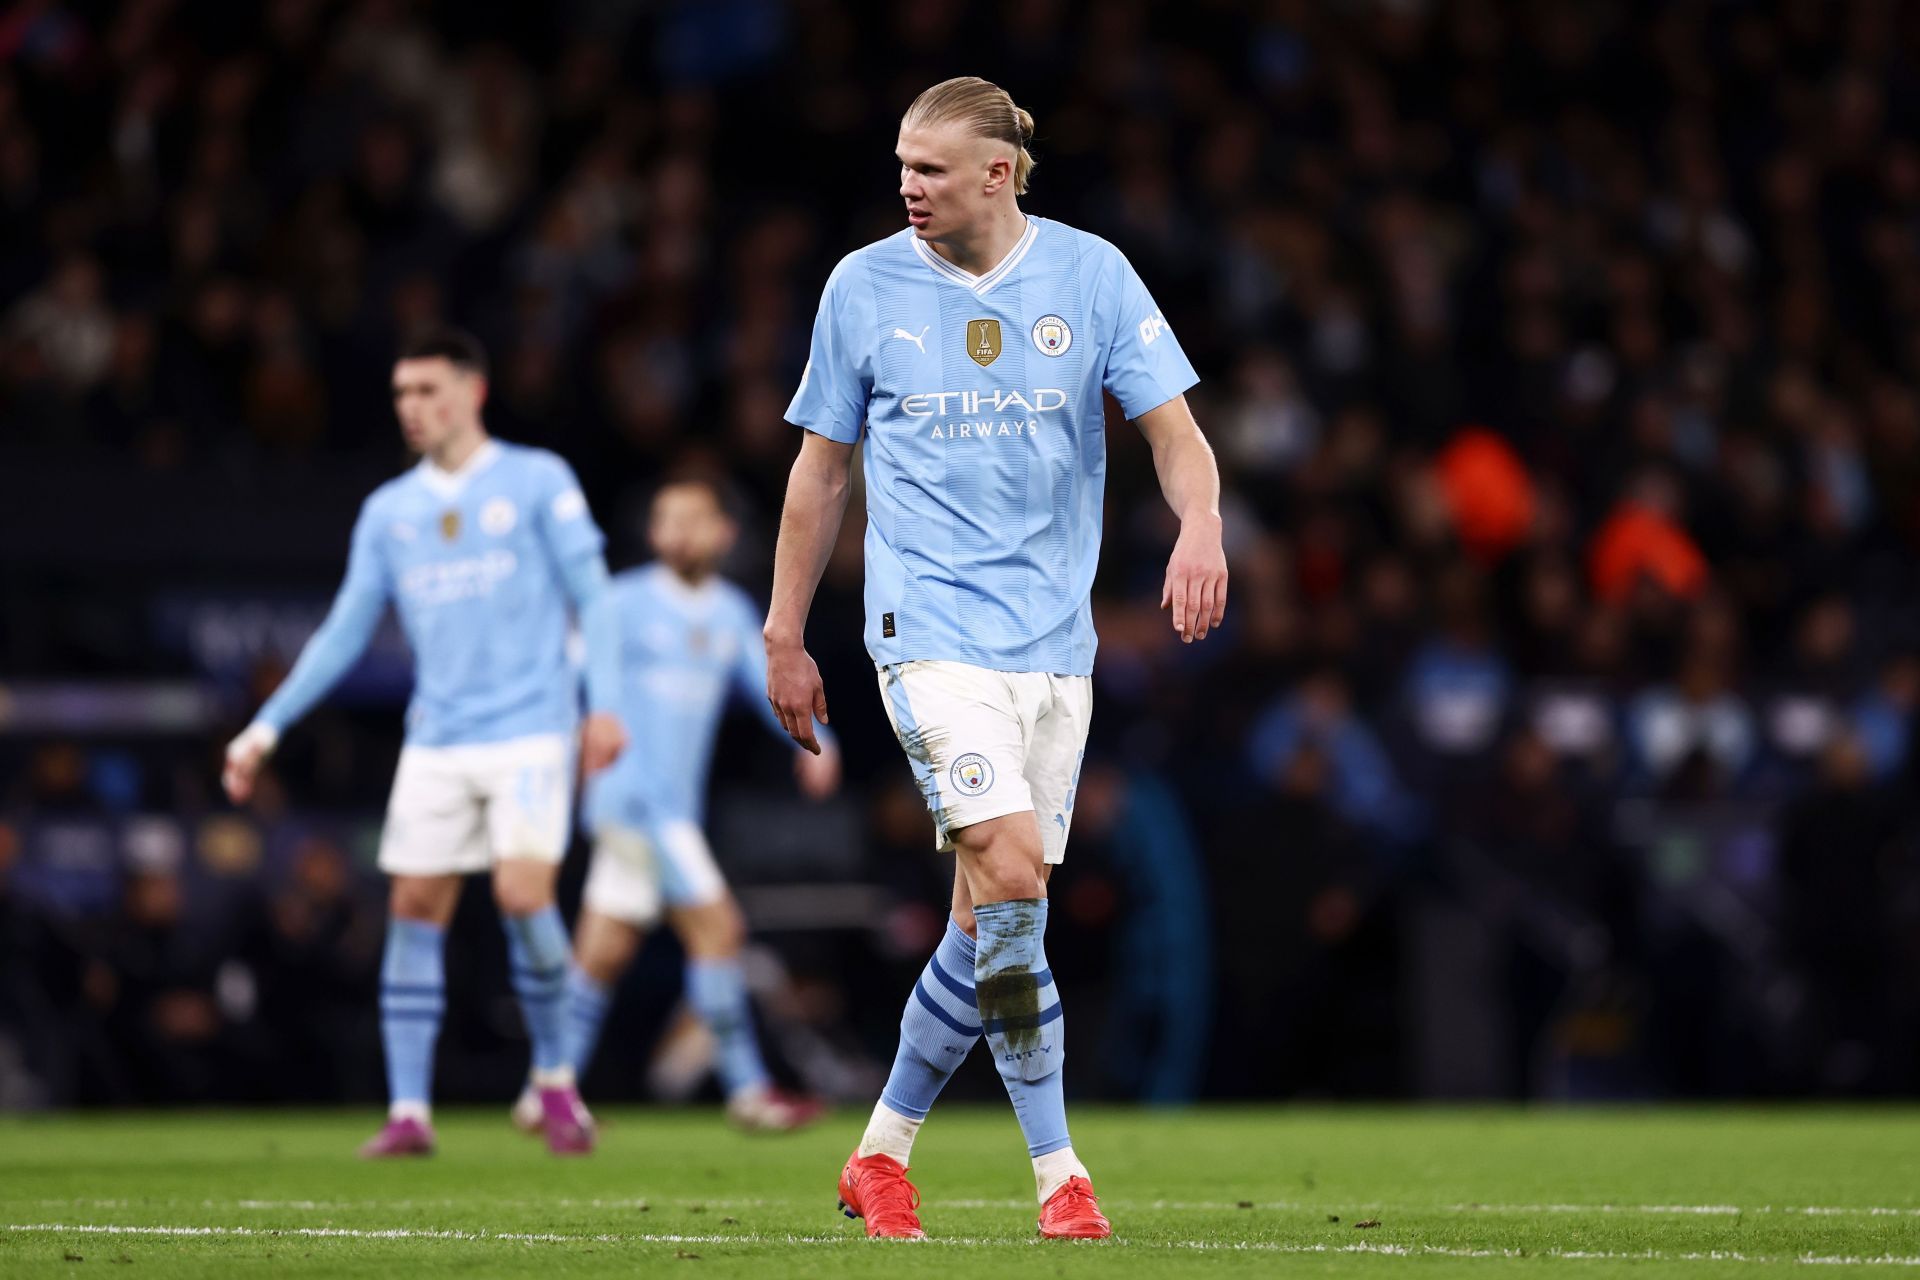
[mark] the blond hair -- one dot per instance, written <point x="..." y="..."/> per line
<point x="986" y="110"/>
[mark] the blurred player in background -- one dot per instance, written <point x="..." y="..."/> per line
<point x="482" y="548"/>
<point x="688" y="640"/>
<point x="969" y="353"/>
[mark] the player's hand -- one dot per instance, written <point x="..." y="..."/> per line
<point x="818" y="775"/>
<point x="1196" y="586"/>
<point x="602" y="739"/>
<point x="245" y="756"/>
<point x="795" y="692"/>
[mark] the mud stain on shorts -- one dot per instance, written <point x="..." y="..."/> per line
<point x="923" y="746"/>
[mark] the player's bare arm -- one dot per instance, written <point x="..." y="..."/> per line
<point x="1196" y="585"/>
<point x="602" y="739"/>
<point x="326" y="657"/>
<point x="817" y="492"/>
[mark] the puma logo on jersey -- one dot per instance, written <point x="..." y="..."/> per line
<point x="917" y="339"/>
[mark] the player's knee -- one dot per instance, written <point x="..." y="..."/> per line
<point x="406" y="902"/>
<point x="520" y="893"/>
<point x="714" y="931"/>
<point x="1002" y="860"/>
<point x="729" y="927"/>
<point x="1004" y="873"/>
<point x="963" y="916"/>
<point x="421" y="898"/>
<point x="605" y="947"/>
<point x="604" y="964"/>
<point x="518" y="900"/>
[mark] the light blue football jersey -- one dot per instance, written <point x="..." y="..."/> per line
<point x="483" y="567"/>
<point x="684" y="650"/>
<point x="977" y="400"/>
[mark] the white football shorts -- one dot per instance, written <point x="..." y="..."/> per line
<point x="635" y="871"/>
<point x="985" y="744"/>
<point x="454" y="810"/>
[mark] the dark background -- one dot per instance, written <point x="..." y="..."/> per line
<point x="1561" y="359"/>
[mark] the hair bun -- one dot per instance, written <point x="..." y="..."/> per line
<point x="984" y="110"/>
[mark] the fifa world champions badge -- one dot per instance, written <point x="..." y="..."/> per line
<point x="983" y="341"/>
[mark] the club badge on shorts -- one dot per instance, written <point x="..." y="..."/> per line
<point x="971" y="774"/>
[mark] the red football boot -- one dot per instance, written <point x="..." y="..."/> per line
<point x="399" y="1138"/>
<point x="876" y="1188"/>
<point x="568" y="1124"/>
<point x="769" y="1110"/>
<point x="1073" y="1213"/>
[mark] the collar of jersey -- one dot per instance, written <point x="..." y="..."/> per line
<point x="449" y="483"/>
<point x="966" y="279"/>
<point x="675" y="588"/>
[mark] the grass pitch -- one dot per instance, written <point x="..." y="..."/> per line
<point x="1417" y="1193"/>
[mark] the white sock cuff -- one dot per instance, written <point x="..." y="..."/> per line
<point x="553" y="1078"/>
<point x="889" y="1134"/>
<point x="1051" y="1171"/>
<point x="421" y="1111"/>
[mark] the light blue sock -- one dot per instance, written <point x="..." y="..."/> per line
<point x="938" y="1029"/>
<point x="413" y="996"/>
<point x="587" y="1000"/>
<point x="717" y="990"/>
<point x="537" y="950"/>
<point x="1020" y="1010"/>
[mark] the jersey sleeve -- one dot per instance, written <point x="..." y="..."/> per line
<point x="576" y="545"/>
<point x="1145" y="365"/>
<point x="560" y="511"/>
<point x="585" y="576"/>
<point x="340" y="640"/>
<point x="838" y="380"/>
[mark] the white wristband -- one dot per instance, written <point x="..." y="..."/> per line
<point x="258" y="736"/>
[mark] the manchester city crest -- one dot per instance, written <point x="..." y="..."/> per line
<point x="498" y="517"/>
<point x="1051" y="336"/>
<point x="971" y="774"/>
<point x="983" y="341"/>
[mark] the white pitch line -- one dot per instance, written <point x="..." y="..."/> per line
<point x="1601" y="1255"/>
<point x="850" y="1239"/>
<point x="1697" y="1210"/>
<point x="1569" y="1255"/>
<point x="345" y="1233"/>
<point x="1191" y="1206"/>
<point x="442" y="1202"/>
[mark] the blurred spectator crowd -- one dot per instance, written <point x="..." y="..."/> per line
<point x="1562" y="361"/>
